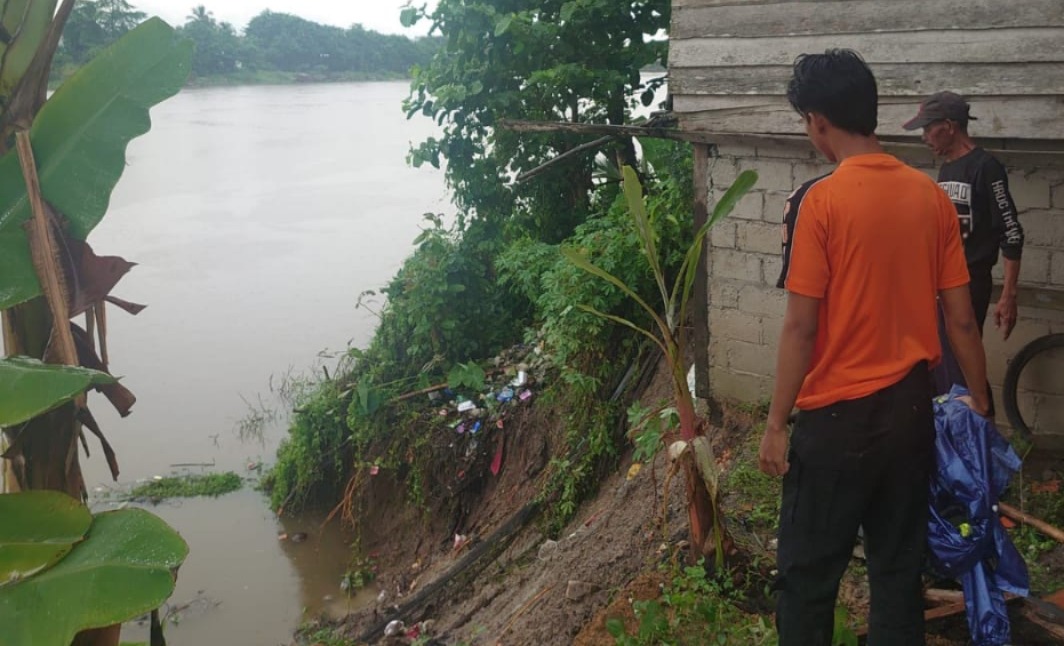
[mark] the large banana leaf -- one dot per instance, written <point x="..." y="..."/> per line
<point x="80" y="138"/>
<point x="26" y="21"/>
<point x="38" y="529"/>
<point x="29" y="388"/>
<point x="123" y="569"/>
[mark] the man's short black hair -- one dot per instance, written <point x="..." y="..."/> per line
<point x="838" y="85"/>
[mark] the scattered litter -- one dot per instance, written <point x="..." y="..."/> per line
<point x="476" y="428"/>
<point x="520" y="380"/>
<point x="496" y="462"/>
<point x="444" y="412"/>
<point x="547" y="549"/>
<point x="460" y="428"/>
<point x="505" y="395"/>
<point x="460" y="541"/>
<point x="499" y="424"/>
<point x="374" y="470"/>
<point x="465" y="406"/>
<point x="634" y="470"/>
<point x="434" y="395"/>
<point x="156" y="478"/>
<point x="382" y="597"/>
<point x="254" y="466"/>
<point x="394" y="628"/>
<point x="525" y="395"/>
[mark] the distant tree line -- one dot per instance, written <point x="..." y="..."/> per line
<point x="271" y="42"/>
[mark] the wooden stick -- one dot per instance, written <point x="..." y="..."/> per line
<point x="542" y="168"/>
<point x="1022" y="517"/>
<point x="940" y="597"/>
<point x="101" y="324"/>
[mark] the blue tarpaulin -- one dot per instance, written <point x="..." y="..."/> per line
<point x="965" y="536"/>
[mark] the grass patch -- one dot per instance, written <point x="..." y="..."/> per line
<point x="190" y="486"/>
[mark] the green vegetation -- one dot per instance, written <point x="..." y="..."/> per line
<point x="695" y="608"/>
<point x="497" y="276"/>
<point x="63" y="572"/>
<point x="190" y="486"/>
<point x="99" y="570"/>
<point x="274" y="48"/>
<point x="1043" y="555"/>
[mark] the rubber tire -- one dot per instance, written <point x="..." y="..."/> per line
<point x="1012" y="379"/>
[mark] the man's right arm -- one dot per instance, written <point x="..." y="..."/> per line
<point x="967" y="344"/>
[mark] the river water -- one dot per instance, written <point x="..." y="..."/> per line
<point x="257" y="216"/>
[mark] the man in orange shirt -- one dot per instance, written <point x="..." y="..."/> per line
<point x="867" y="250"/>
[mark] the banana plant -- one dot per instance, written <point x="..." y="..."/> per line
<point x="708" y="534"/>
<point x="60" y="158"/>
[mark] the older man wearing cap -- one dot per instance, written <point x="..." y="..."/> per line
<point x="978" y="186"/>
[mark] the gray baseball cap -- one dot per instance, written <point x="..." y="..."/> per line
<point x="938" y="107"/>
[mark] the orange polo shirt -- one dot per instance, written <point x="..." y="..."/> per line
<point x="875" y="241"/>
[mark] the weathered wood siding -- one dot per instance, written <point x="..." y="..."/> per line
<point x="730" y="60"/>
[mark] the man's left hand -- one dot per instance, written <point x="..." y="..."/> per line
<point x="1005" y="315"/>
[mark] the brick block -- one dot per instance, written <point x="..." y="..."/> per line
<point x="722" y="172"/>
<point x="1043" y="227"/>
<point x="723" y="294"/>
<point x="1034" y="268"/>
<point x="751" y="358"/>
<point x="1058" y="197"/>
<point x="774" y="205"/>
<point x="718" y="352"/>
<point x="762" y="300"/>
<point x="759" y="237"/>
<point x="771" y="268"/>
<point x="804" y="172"/>
<point x="1029" y="191"/>
<point x="723" y="235"/>
<point x="736" y="150"/>
<point x="800" y="149"/>
<point x="734" y="325"/>
<point x="1057" y="270"/>
<point x="749" y="207"/>
<point x="773" y="175"/>
<point x="771" y="329"/>
<point x="737" y="265"/>
<point x="744" y="388"/>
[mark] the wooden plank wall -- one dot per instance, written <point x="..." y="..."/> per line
<point x="730" y="60"/>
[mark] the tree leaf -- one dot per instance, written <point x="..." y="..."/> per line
<point x="39" y="529"/>
<point x="29" y="388"/>
<point x="502" y="25"/>
<point x="79" y="140"/>
<point x="123" y="569"/>
<point x="568" y="9"/>
<point x="408" y="16"/>
<point x="27" y="21"/>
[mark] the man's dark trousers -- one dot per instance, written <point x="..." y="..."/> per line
<point x="864" y="462"/>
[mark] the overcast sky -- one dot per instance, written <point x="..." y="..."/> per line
<point x="378" y="15"/>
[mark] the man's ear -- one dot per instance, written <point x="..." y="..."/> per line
<point x="818" y="122"/>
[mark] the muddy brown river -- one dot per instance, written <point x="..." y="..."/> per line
<point x="257" y="216"/>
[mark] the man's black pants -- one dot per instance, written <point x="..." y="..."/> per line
<point x="948" y="372"/>
<point x="859" y="463"/>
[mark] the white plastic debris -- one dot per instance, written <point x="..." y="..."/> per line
<point x="467" y="405"/>
<point x="394" y="628"/>
<point x="520" y="380"/>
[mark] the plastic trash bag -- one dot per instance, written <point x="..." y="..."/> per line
<point x="965" y="536"/>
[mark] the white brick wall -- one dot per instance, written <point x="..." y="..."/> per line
<point x="746" y="309"/>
